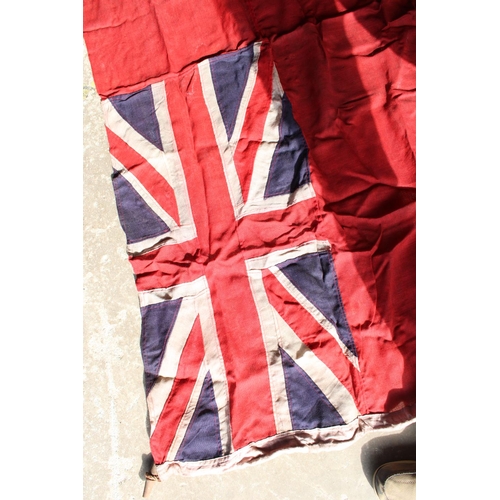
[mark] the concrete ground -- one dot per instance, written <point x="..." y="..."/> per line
<point x="116" y="449"/>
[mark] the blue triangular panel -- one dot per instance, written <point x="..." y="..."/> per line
<point x="202" y="439"/>
<point x="290" y="164"/>
<point x="314" y="276"/>
<point x="138" y="110"/>
<point x="138" y="220"/>
<point x="157" y="323"/>
<point x="229" y="76"/>
<point x="309" y="407"/>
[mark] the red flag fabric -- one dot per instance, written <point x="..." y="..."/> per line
<point x="264" y="171"/>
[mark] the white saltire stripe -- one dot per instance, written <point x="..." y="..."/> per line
<point x="320" y="374"/>
<point x="245" y="98"/>
<point x="178" y="235"/>
<point x="154" y="156"/>
<point x="175" y="234"/>
<point x="268" y="325"/>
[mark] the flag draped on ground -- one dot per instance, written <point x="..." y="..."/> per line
<point x="263" y="158"/>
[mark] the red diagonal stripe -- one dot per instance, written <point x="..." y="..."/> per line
<point x="189" y="367"/>
<point x="155" y="183"/>
<point x="255" y="117"/>
<point x="324" y="346"/>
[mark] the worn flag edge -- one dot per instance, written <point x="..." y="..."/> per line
<point x="336" y="437"/>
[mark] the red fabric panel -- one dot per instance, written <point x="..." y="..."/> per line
<point x="134" y="43"/>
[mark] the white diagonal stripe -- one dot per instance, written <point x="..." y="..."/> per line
<point x="245" y="98"/>
<point x="178" y="235"/>
<point x="225" y="149"/>
<point x="175" y="235"/>
<point x="320" y="374"/>
<point x="314" y="312"/>
<point x="154" y="156"/>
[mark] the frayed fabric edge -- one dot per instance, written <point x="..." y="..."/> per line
<point x="292" y="441"/>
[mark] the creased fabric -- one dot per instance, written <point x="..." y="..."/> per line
<point x="264" y="170"/>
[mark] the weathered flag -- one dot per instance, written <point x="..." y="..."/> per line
<point x="263" y="167"/>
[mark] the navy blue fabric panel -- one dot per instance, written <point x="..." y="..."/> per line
<point x="290" y="164"/>
<point x="309" y="407"/>
<point x="202" y="439"/>
<point x="157" y="323"/>
<point x="138" y="110"/>
<point x="230" y="75"/>
<point x="314" y="276"/>
<point x="138" y="220"/>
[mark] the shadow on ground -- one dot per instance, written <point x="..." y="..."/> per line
<point x="147" y="463"/>
<point x="380" y="450"/>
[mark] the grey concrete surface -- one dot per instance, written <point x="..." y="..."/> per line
<point x="116" y="449"/>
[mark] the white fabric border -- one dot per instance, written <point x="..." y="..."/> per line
<point x="293" y="441"/>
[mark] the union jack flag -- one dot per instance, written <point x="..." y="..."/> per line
<point x="244" y="336"/>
